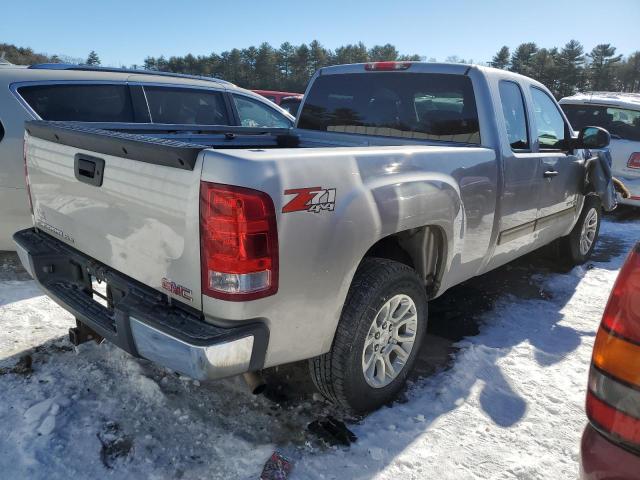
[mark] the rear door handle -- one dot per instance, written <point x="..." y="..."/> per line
<point x="550" y="173"/>
<point x="89" y="169"/>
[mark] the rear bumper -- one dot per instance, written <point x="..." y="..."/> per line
<point x="602" y="460"/>
<point x="141" y="320"/>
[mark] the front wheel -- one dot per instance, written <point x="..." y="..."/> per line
<point x="378" y="337"/>
<point x="577" y="247"/>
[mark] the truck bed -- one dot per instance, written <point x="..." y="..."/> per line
<point x="142" y="217"/>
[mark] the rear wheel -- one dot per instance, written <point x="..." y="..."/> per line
<point x="577" y="247"/>
<point x="378" y="338"/>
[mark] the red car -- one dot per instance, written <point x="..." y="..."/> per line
<point x="611" y="442"/>
<point x="276" y="97"/>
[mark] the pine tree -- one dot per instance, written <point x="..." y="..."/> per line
<point x="381" y="53"/>
<point x="266" y="70"/>
<point x="300" y="68"/>
<point x="318" y="56"/>
<point x="501" y="59"/>
<point x="522" y="58"/>
<point x="544" y="68"/>
<point x="284" y="60"/>
<point x="93" y="58"/>
<point x="570" y="69"/>
<point x="351" y="54"/>
<point x="603" y="62"/>
<point x="628" y="73"/>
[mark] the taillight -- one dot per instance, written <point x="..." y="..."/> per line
<point x="26" y="175"/>
<point x="613" y="399"/>
<point x="239" y="243"/>
<point x="386" y="66"/>
<point x="634" y="160"/>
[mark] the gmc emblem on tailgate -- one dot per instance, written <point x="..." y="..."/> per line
<point x="176" y="289"/>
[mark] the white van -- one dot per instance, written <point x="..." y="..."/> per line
<point x="619" y="113"/>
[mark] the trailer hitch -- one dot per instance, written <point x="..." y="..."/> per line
<point x="82" y="334"/>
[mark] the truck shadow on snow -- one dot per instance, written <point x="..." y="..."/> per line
<point x="155" y="411"/>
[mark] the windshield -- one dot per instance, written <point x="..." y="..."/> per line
<point x="421" y="106"/>
<point x="620" y="122"/>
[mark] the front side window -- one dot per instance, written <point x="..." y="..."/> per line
<point x="550" y="127"/>
<point x="253" y="113"/>
<point x="80" y="102"/>
<point x="620" y="122"/>
<point x="515" y="117"/>
<point x="186" y="106"/>
<point x="420" y="106"/>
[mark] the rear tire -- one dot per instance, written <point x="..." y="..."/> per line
<point x="577" y="247"/>
<point x="368" y="363"/>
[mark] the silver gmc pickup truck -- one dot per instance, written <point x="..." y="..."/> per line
<point x="226" y="250"/>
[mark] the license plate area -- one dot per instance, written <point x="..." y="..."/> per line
<point x="101" y="294"/>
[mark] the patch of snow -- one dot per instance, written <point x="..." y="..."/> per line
<point x="510" y="404"/>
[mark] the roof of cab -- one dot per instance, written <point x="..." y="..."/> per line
<point x="616" y="99"/>
<point x="430" y="67"/>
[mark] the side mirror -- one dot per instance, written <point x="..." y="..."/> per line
<point x="593" y="137"/>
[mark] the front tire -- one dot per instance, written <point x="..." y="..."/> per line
<point x="577" y="247"/>
<point x="380" y="332"/>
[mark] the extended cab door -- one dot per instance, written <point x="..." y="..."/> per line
<point x="522" y="176"/>
<point x="561" y="169"/>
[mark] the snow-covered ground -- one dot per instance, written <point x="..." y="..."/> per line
<point x="500" y="395"/>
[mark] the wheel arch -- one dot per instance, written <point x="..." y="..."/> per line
<point x="422" y="248"/>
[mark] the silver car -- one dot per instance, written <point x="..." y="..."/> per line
<point x="95" y="94"/>
<point x="619" y="113"/>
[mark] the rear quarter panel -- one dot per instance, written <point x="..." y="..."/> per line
<point x="379" y="191"/>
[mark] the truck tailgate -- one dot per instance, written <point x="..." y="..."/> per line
<point x="139" y="217"/>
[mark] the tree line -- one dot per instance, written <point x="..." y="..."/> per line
<point x="569" y="69"/>
<point x="289" y="67"/>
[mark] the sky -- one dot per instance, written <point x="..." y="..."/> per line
<point x="125" y="32"/>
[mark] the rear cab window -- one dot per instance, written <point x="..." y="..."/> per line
<point x="420" y="106"/>
<point x="80" y="102"/>
<point x="621" y="123"/>
<point x="515" y="116"/>
<point x="186" y="106"/>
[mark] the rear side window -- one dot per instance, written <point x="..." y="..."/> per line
<point x="515" y="117"/>
<point x="550" y="127"/>
<point x="421" y="106"/>
<point x="620" y="122"/>
<point x="80" y="102"/>
<point x="253" y="113"/>
<point x="186" y="106"/>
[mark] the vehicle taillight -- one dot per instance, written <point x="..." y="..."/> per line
<point x="634" y="160"/>
<point x="386" y="66"/>
<point x="26" y="175"/>
<point x="613" y="399"/>
<point x="239" y="243"/>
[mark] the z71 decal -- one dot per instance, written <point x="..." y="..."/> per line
<point x="311" y="199"/>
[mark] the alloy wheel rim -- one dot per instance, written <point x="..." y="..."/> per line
<point x="389" y="341"/>
<point x="588" y="233"/>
